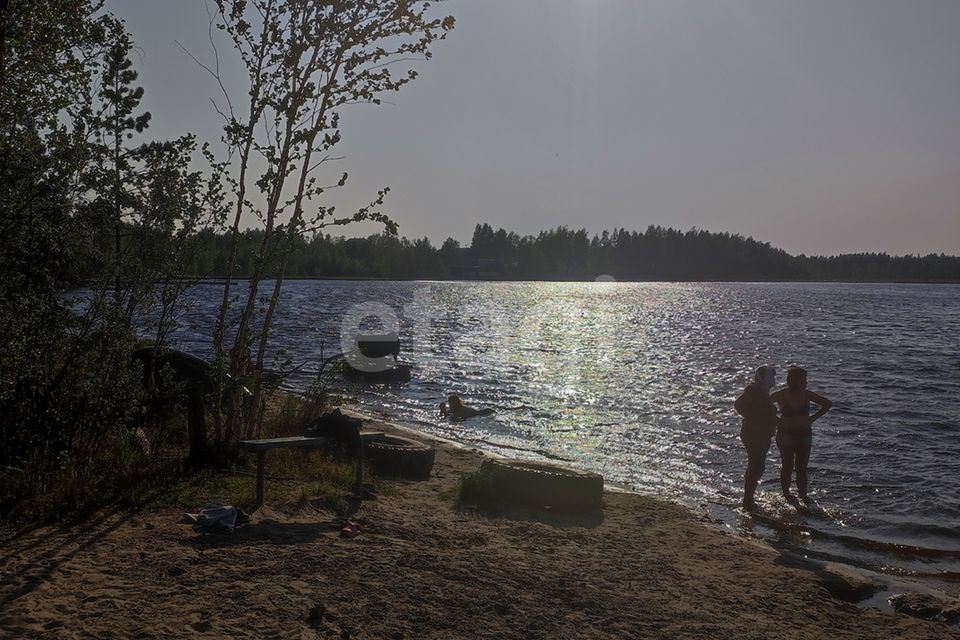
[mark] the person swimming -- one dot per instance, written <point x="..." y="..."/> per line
<point x="454" y="409"/>
<point x="795" y="432"/>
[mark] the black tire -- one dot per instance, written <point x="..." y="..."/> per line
<point x="400" y="457"/>
<point x="397" y="374"/>
<point x="538" y="484"/>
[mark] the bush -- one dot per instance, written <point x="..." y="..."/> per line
<point x="482" y="488"/>
<point x="293" y="476"/>
<point x="68" y="398"/>
<point x="119" y="470"/>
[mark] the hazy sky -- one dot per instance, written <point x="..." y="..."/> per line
<point x="821" y="126"/>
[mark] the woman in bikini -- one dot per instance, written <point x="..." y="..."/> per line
<point x="794" y="434"/>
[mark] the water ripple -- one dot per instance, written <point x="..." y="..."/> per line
<point x="638" y="381"/>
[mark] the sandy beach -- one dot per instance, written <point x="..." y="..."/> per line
<point x="422" y="567"/>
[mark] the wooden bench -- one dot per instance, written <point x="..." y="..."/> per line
<point x="260" y="447"/>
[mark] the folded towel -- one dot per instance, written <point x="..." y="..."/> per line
<point x="215" y="517"/>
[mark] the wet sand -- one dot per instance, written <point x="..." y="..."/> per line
<point x="422" y="567"/>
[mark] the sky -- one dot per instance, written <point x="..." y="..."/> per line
<point x="820" y="126"/>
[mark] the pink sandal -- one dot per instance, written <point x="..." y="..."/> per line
<point x="350" y="529"/>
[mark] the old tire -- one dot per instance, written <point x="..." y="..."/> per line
<point x="538" y="484"/>
<point x="400" y="457"/>
<point x="396" y="374"/>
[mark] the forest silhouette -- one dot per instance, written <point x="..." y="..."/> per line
<point x="657" y="254"/>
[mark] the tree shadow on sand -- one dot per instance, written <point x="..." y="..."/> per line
<point x="48" y="552"/>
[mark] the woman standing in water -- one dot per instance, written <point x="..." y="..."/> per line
<point x="795" y="434"/>
<point x="759" y="423"/>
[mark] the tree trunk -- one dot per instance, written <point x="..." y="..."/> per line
<point x="116" y="188"/>
<point x="197" y="427"/>
<point x="4" y="12"/>
<point x="256" y="111"/>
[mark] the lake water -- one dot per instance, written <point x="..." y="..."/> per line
<point x="637" y="381"/>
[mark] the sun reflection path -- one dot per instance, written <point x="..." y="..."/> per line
<point x="636" y="380"/>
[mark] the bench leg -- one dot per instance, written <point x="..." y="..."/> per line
<point x="358" y="479"/>
<point x="261" y="456"/>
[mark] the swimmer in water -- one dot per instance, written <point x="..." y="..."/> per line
<point x="454" y="409"/>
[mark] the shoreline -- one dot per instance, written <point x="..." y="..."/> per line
<point x="891" y="585"/>
<point x="424" y="566"/>
<point x="219" y="280"/>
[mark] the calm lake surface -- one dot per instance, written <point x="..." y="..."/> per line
<point x="637" y="381"/>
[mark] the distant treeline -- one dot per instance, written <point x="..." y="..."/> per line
<point x="564" y="254"/>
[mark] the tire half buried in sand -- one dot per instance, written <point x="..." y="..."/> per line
<point x="538" y="484"/>
<point x="395" y="374"/>
<point x="400" y="457"/>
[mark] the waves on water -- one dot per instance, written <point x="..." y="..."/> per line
<point x="637" y="381"/>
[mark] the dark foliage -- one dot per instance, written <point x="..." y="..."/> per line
<point x="84" y="199"/>
<point x="73" y="200"/>
<point x="564" y="254"/>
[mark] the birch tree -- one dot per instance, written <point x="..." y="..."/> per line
<point x="305" y="61"/>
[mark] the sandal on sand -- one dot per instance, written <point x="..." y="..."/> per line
<point x="350" y="529"/>
<point x="338" y="523"/>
